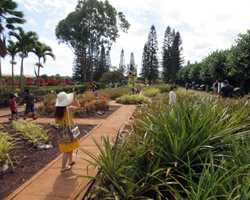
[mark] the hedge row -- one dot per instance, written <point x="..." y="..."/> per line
<point x="39" y="94"/>
<point x="100" y="86"/>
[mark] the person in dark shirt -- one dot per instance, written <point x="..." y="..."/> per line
<point x="95" y="90"/>
<point x="227" y="91"/>
<point x="29" y="99"/>
<point x="215" y="86"/>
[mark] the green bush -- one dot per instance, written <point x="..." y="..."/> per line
<point x="100" y="86"/>
<point x="164" y="88"/>
<point x="113" y="93"/>
<point x="151" y="92"/>
<point x="132" y="99"/>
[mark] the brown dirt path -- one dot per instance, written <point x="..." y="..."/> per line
<point x="49" y="183"/>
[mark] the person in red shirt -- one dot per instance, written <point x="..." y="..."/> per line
<point x="13" y="107"/>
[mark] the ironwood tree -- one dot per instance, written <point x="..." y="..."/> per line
<point x="122" y="65"/>
<point x="144" y="63"/>
<point x="150" y="57"/>
<point x="172" y="55"/>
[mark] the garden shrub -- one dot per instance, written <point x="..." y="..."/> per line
<point x="100" y="86"/>
<point x="113" y="93"/>
<point x="164" y="88"/>
<point x="132" y="99"/>
<point x="88" y="103"/>
<point x="151" y="92"/>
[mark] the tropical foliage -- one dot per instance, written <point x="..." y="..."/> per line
<point x="8" y="16"/>
<point x="41" y="50"/>
<point x="7" y="143"/>
<point x="25" y="42"/>
<point x="34" y="134"/>
<point x="195" y="149"/>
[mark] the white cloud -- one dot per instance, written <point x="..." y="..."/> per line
<point x="63" y="62"/>
<point x="204" y="26"/>
<point x="213" y="24"/>
<point x="49" y="24"/>
<point x="32" y="8"/>
<point x="31" y="21"/>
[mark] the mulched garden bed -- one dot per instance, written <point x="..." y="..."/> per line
<point x="28" y="161"/>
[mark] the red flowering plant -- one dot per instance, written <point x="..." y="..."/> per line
<point x="42" y="82"/>
<point x="6" y="81"/>
<point x="52" y="82"/>
<point x="29" y="81"/>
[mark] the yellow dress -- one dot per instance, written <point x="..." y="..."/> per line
<point x="66" y="141"/>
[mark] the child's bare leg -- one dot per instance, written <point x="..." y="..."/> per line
<point x="65" y="159"/>
<point x="70" y="156"/>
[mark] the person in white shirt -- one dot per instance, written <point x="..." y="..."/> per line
<point x="172" y="95"/>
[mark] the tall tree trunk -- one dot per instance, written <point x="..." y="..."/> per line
<point x="21" y="75"/>
<point x="91" y="64"/>
<point x="84" y="65"/>
<point x="38" y="78"/>
<point x="12" y="73"/>
<point x="1" y="84"/>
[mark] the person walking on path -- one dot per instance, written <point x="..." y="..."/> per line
<point x="138" y="87"/>
<point x="193" y="85"/>
<point x="29" y="99"/>
<point x="215" y="86"/>
<point x="94" y="86"/>
<point x="63" y="116"/>
<point x="172" y="95"/>
<point x="13" y="107"/>
<point x="186" y="85"/>
<point x="227" y="91"/>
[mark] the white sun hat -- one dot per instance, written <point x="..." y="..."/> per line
<point x="64" y="99"/>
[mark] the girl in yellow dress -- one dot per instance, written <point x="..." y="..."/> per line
<point x="67" y="143"/>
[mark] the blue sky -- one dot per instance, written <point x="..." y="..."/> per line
<point x="204" y="27"/>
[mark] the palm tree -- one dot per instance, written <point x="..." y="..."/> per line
<point x="25" y="43"/>
<point x="41" y="50"/>
<point x="8" y="16"/>
<point x="12" y="51"/>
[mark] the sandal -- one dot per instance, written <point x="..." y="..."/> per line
<point x="71" y="163"/>
<point x="65" y="169"/>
